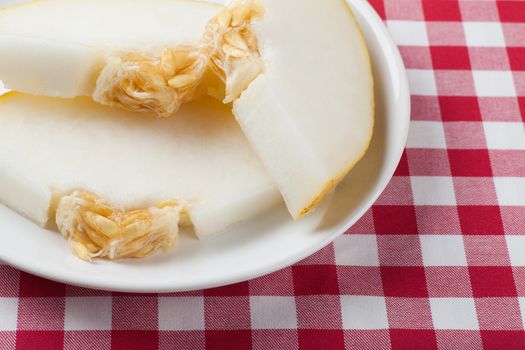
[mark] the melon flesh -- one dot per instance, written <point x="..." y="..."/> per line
<point x="309" y="116"/>
<point x="52" y="147"/>
<point x="58" y="47"/>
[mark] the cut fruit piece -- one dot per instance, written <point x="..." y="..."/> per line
<point x="200" y="161"/>
<point x="64" y="58"/>
<point x="309" y="116"/>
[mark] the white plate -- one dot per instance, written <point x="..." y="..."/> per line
<point x="259" y="247"/>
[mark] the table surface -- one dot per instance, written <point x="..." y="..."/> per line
<point x="437" y="263"/>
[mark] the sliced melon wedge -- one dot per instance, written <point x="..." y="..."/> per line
<point x="60" y="47"/>
<point x="309" y="116"/>
<point x="124" y="178"/>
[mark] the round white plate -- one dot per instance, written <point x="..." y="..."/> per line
<point x="258" y="247"/>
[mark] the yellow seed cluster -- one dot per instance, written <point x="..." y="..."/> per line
<point x="162" y="84"/>
<point x="151" y="84"/>
<point x="235" y="56"/>
<point x="97" y="230"/>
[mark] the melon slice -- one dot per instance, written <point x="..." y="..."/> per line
<point x="125" y="178"/>
<point x="309" y="116"/>
<point x="60" y="47"/>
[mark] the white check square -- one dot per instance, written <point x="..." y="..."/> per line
<point x="88" y="313"/>
<point x="494" y="83"/>
<point x="510" y="190"/>
<point x="443" y="250"/>
<point x="454" y="313"/>
<point x="504" y="135"/>
<point x="433" y="190"/>
<point x="425" y="134"/>
<point x="516" y="248"/>
<point x="356" y="250"/>
<point x="408" y="33"/>
<point x="486" y="34"/>
<point x="181" y="313"/>
<point x="271" y="312"/>
<point x="422" y="82"/>
<point x="363" y="312"/>
<point x="8" y="314"/>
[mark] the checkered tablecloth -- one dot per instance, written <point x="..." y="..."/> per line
<point x="437" y="263"/>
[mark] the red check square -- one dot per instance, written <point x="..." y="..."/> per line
<point x="404" y="281"/>
<point x="134" y="340"/>
<point x="395" y="219"/>
<point x="470" y="162"/>
<point x="402" y="167"/>
<point x="459" y="108"/>
<point x="498" y="340"/>
<point x="379" y="6"/>
<point x="511" y="11"/>
<point x="220" y="340"/>
<point x="33" y="286"/>
<point x="40" y="340"/>
<point x="310" y="339"/>
<point x="411" y="339"/>
<point x="439" y="10"/>
<point x="450" y="57"/>
<point x="517" y="57"/>
<point x="315" y="280"/>
<point x="239" y="289"/>
<point x="492" y="281"/>
<point x="480" y="220"/>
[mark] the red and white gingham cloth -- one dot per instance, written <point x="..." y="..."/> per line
<point x="437" y="263"/>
